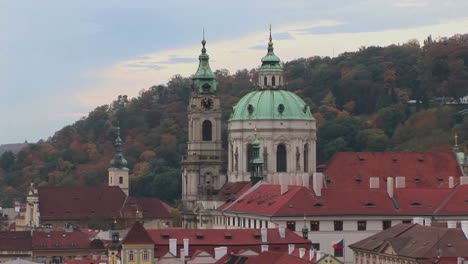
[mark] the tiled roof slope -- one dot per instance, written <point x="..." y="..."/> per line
<point x="137" y="235"/>
<point x="234" y="239"/>
<point x="416" y="241"/>
<point x="456" y="202"/>
<point x="428" y="169"/>
<point x="15" y="241"/>
<point x="80" y="202"/>
<point x="56" y="239"/>
<point x="263" y="257"/>
<point x="151" y="207"/>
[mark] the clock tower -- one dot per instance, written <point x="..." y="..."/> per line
<point x="202" y="168"/>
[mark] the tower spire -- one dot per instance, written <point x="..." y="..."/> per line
<point x="204" y="80"/>
<point x="119" y="160"/>
<point x="271" y="71"/>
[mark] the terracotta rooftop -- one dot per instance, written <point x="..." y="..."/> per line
<point x="46" y="240"/>
<point x="416" y="241"/>
<point x="422" y="170"/>
<point x="234" y="239"/>
<point x="15" y="241"/>
<point x="263" y="257"/>
<point x="137" y="235"/>
<point x="150" y="207"/>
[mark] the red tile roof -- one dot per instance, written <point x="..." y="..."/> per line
<point x="234" y="239"/>
<point x="80" y="202"/>
<point x="263" y="257"/>
<point x="150" y="207"/>
<point x="456" y="202"/>
<point x="137" y="235"/>
<point x="420" y="201"/>
<point x="43" y="240"/>
<point x="422" y="170"/>
<point x="15" y="241"/>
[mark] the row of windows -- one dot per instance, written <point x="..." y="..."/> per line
<point x="273" y="80"/>
<point x="240" y="222"/>
<point x="131" y="255"/>
<point x="338" y="225"/>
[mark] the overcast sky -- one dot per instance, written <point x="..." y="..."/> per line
<point x="61" y="59"/>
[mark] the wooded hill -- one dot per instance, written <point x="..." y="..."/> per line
<point x="359" y="100"/>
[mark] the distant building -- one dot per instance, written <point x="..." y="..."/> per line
<point x="96" y="207"/>
<point x="414" y="243"/>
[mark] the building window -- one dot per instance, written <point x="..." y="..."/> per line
<point x="265" y="81"/>
<point x="238" y="221"/>
<point x="338" y="225"/>
<point x="207" y="130"/>
<point x="243" y="222"/>
<point x="338" y="252"/>
<point x="314" y="225"/>
<point x="281" y="163"/>
<point x="291" y="225"/>
<point x="316" y="246"/>
<point x="131" y="255"/>
<point x="306" y="157"/>
<point x="56" y="260"/>
<point x="120" y="180"/>
<point x="145" y="255"/>
<point x="255" y="223"/>
<point x="229" y="220"/>
<point x="361" y="225"/>
<point x="273" y="81"/>
<point x="406" y="221"/>
<point x="249" y="223"/>
<point x="386" y="224"/>
<point x="41" y="259"/>
<point x="249" y="156"/>
<point x="260" y="223"/>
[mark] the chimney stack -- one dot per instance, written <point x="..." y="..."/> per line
<point x="182" y="255"/>
<point x="317" y="182"/>
<point x="451" y="224"/>
<point x="186" y="246"/>
<point x="290" y="248"/>
<point x="463" y="180"/>
<point x="390" y="186"/>
<point x="418" y="220"/>
<point x="311" y="254"/>
<point x="374" y="182"/>
<point x="263" y="232"/>
<point x="283" y="179"/>
<point x="220" y="252"/>
<point x="173" y="246"/>
<point x="282" y="231"/>
<point x="264" y="248"/>
<point x="305" y="180"/>
<point x="302" y="252"/>
<point x="451" y="182"/>
<point x="400" y="182"/>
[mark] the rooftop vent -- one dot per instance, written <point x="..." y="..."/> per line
<point x="358" y="180"/>
<point x="227" y="235"/>
<point x="165" y="235"/>
<point x="369" y="205"/>
<point x="318" y="205"/>
<point x="415" y="204"/>
<point x="257" y="235"/>
<point x="199" y="236"/>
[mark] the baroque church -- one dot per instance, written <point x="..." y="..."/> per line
<point x="271" y="137"/>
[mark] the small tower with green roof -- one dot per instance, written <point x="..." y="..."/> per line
<point x="118" y="172"/>
<point x="256" y="163"/>
<point x="270" y="74"/>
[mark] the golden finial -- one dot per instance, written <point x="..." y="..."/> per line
<point x="203" y="41"/>
<point x="271" y="39"/>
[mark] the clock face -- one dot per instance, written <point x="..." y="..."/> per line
<point x="207" y="103"/>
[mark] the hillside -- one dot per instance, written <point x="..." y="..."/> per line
<point x="359" y="100"/>
<point x="15" y="148"/>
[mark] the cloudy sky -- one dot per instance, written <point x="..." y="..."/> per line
<point x="61" y="59"/>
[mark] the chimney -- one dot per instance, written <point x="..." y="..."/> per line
<point x="182" y="255"/>
<point x="451" y="182"/>
<point x="390" y="186"/>
<point x="464" y="227"/>
<point x="311" y="254"/>
<point x="302" y="252"/>
<point x="283" y="179"/>
<point x="220" y="252"/>
<point x="427" y="221"/>
<point x="418" y="220"/>
<point x="173" y="246"/>
<point x="305" y="180"/>
<point x="186" y="246"/>
<point x="463" y="180"/>
<point x="317" y="182"/>
<point x="282" y="231"/>
<point x="400" y="182"/>
<point x="290" y="248"/>
<point x="451" y="224"/>
<point x="264" y="248"/>
<point x="374" y="182"/>
<point x="263" y="231"/>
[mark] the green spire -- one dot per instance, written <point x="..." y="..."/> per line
<point x="119" y="160"/>
<point x="204" y="80"/>
<point x="305" y="230"/>
<point x="256" y="162"/>
<point x="271" y="62"/>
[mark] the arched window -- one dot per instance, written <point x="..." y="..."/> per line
<point x="306" y="157"/>
<point x="120" y="180"/>
<point x="249" y="156"/>
<point x="207" y="130"/>
<point x="265" y="80"/>
<point x="273" y="81"/>
<point x="281" y="163"/>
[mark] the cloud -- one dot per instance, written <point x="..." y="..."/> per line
<point x="410" y="3"/>
<point x="282" y="36"/>
<point x="145" y="66"/>
<point x="174" y="59"/>
<point x="258" y="47"/>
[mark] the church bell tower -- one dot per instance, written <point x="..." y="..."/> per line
<point x="202" y="167"/>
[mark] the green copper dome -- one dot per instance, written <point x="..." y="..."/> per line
<point x="271" y="104"/>
<point x="204" y="79"/>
